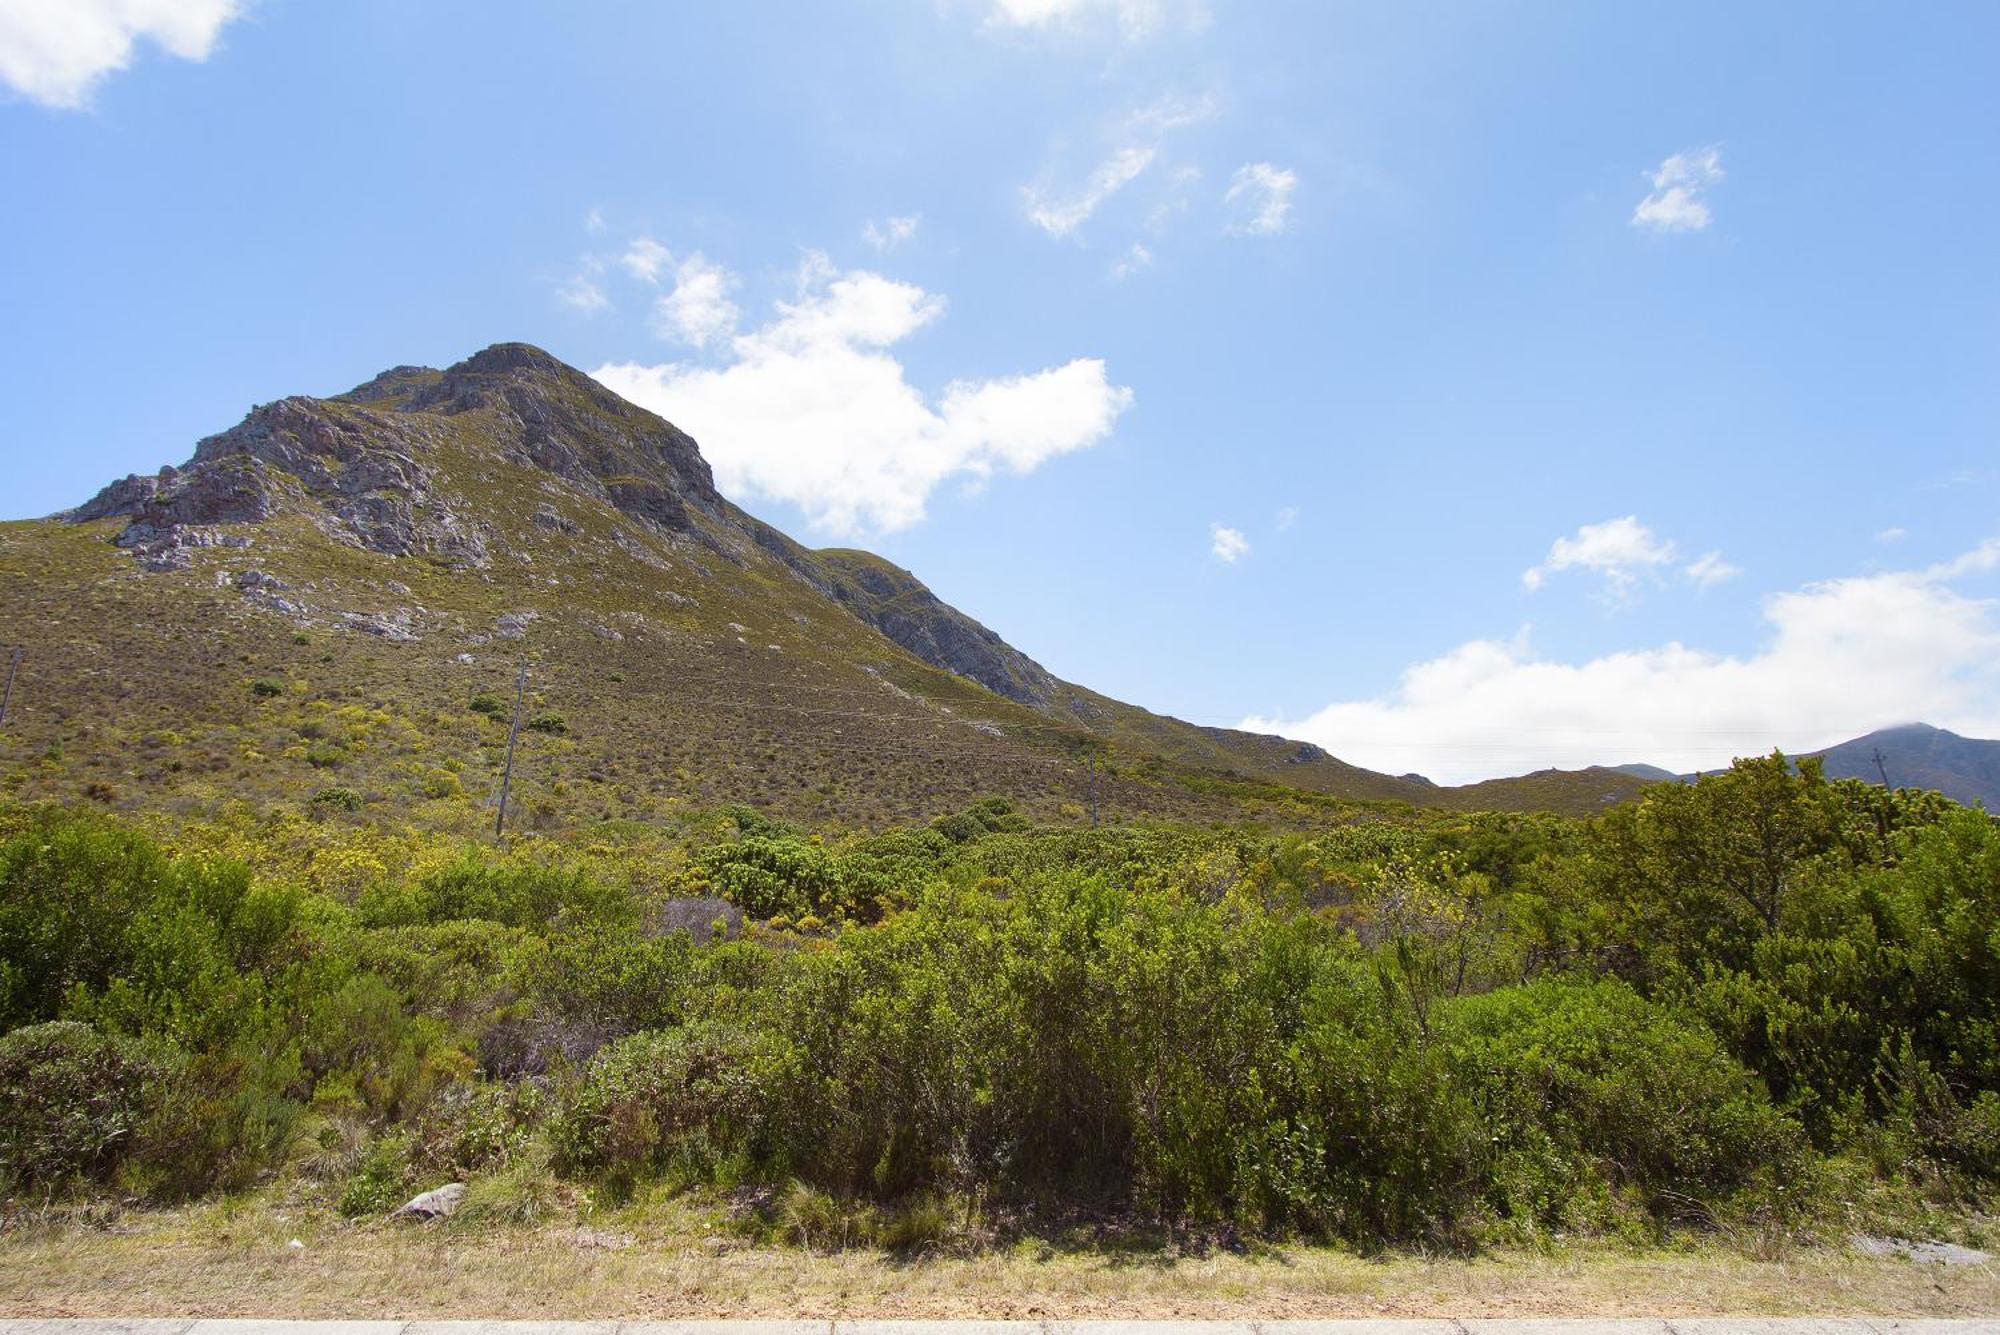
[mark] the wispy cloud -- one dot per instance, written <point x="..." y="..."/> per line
<point x="1710" y="569"/>
<point x="1136" y="137"/>
<point x="1061" y="214"/>
<point x="646" y="259"/>
<point x="1227" y="544"/>
<point x="583" y="291"/>
<point x="1679" y="198"/>
<point x="1620" y="550"/>
<point x="1131" y="262"/>
<point x="699" y="309"/>
<point x="1623" y="552"/>
<point x="1260" y="197"/>
<point x="1129" y="20"/>
<point x="891" y="233"/>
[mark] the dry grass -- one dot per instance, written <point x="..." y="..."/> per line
<point x="227" y="1261"/>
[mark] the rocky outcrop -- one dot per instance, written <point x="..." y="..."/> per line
<point x="432" y="1204"/>
<point x="898" y="604"/>
<point x="353" y="471"/>
<point x="556" y="418"/>
<point x="366" y="466"/>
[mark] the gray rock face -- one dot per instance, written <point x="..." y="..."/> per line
<point x="703" y="918"/>
<point x="398" y="626"/>
<point x="896" y="603"/>
<point x="432" y="1204"/>
<point x="547" y="517"/>
<point x="562" y="421"/>
<point x="366" y="466"/>
<point x="354" y="470"/>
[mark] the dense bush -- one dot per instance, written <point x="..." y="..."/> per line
<point x="690" y="1098"/>
<point x="1432" y="1029"/>
<point x="73" y="1102"/>
<point x="518" y="896"/>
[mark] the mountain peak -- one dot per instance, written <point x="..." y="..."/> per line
<point x="504" y="358"/>
<point x="385" y="466"/>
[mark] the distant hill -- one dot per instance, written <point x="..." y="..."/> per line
<point x="1916" y="755"/>
<point x="1578" y="790"/>
<point x="1650" y="773"/>
<point x="324" y="609"/>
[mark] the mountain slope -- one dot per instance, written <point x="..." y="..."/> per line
<point x="332" y="597"/>
<point x="1916" y="755"/>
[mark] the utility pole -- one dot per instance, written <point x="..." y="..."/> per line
<point x="513" y="734"/>
<point x="1093" y="787"/>
<point x="7" y="696"/>
<point x="1882" y="769"/>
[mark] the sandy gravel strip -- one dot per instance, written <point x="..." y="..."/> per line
<point x="1356" y="1326"/>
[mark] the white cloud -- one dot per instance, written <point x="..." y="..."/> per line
<point x="698" y="310"/>
<point x="1060" y="214"/>
<point x="1678" y="202"/>
<point x="593" y="221"/>
<point x="1624" y="551"/>
<point x="1621" y="550"/>
<point x="1287" y="516"/>
<point x="1228" y="544"/>
<point x="57" y="51"/>
<point x="1843" y="656"/>
<point x="813" y="409"/>
<point x="581" y="291"/>
<point x="1135" y="138"/>
<point x="646" y="259"/>
<point x="891" y="233"/>
<point x="1984" y="557"/>
<point x="1132" y="20"/>
<point x="1261" y="195"/>
<point x="1892" y="535"/>
<point x="1709" y="568"/>
<point x="1131" y="262"/>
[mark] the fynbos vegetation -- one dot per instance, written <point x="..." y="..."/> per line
<point x="1762" y="1001"/>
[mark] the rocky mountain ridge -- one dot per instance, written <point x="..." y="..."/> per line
<point x="511" y="499"/>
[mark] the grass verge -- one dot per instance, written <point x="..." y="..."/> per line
<point x="238" y="1261"/>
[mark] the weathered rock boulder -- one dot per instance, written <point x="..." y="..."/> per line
<point x="431" y="1204"/>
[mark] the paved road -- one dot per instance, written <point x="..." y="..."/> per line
<point x="1385" y="1326"/>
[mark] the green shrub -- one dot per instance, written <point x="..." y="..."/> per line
<point x="382" y="1181"/>
<point x="519" y="896"/>
<point x="492" y="706"/>
<point x="1590" y="1081"/>
<point x="551" y="723"/>
<point x="475" y="1127"/>
<point x="770" y="874"/>
<point x="266" y="687"/>
<point x="326" y="755"/>
<point x="74" y="1103"/>
<point x="687" y="1098"/>
<point x="522" y="1194"/>
<point x="340" y="799"/>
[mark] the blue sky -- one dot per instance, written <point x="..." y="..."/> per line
<point x="1469" y="388"/>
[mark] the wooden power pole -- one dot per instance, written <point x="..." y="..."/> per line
<point x="7" y="696"/>
<point x="513" y="735"/>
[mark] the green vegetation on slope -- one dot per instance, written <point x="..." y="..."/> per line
<point x="313" y="603"/>
<point x="1762" y="1000"/>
